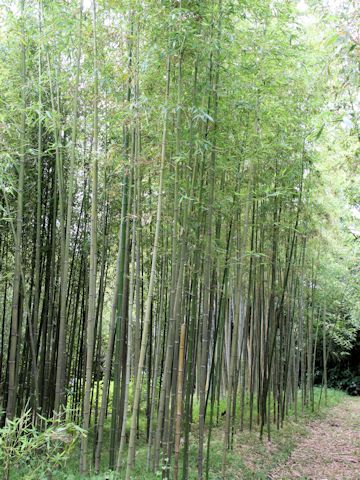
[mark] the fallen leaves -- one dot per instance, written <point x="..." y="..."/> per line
<point x="331" y="451"/>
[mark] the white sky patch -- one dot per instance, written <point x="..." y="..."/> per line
<point x="302" y="6"/>
<point x="346" y="123"/>
<point x="305" y="16"/>
<point x="335" y="6"/>
<point x="356" y="212"/>
<point x="87" y="4"/>
<point x="354" y="231"/>
<point x="356" y="103"/>
<point x="308" y="20"/>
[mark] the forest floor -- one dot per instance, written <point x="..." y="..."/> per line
<point x="323" y="444"/>
<point x="330" y="451"/>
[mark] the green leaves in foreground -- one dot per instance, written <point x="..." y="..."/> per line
<point x="39" y="450"/>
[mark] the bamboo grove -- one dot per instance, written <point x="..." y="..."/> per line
<point x="160" y="244"/>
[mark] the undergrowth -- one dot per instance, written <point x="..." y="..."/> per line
<point x="250" y="458"/>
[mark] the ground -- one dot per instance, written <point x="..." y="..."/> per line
<point x="330" y="451"/>
<point x="323" y="444"/>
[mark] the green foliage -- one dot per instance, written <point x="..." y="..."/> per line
<point x="39" y="451"/>
<point x="260" y="205"/>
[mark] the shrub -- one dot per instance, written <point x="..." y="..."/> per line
<point x="38" y="450"/>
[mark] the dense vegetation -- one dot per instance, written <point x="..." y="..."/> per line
<point x="180" y="219"/>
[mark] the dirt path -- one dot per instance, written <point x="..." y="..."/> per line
<point x="331" y="451"/>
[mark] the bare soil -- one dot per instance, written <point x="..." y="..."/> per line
<point x="330" y="451"/>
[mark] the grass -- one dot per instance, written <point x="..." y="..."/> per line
<point x="251" y="458"/>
